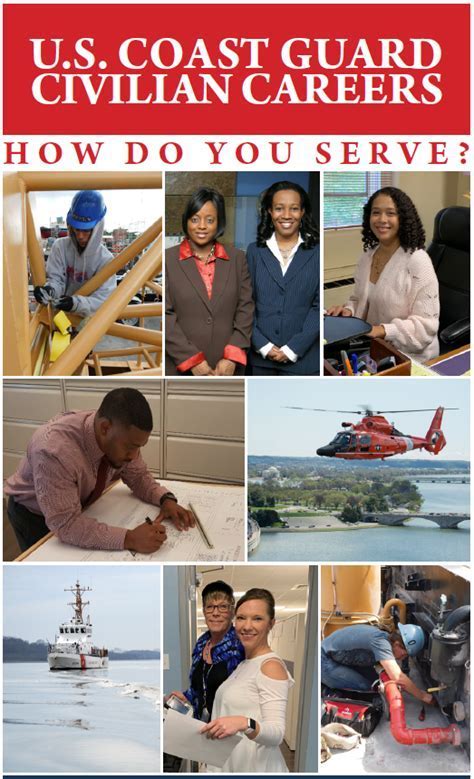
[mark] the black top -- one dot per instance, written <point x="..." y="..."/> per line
<point x="205" y="680"/>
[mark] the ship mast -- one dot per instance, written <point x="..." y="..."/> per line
<point x="78" y="604"/>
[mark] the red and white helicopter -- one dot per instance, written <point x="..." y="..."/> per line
<point x="374" y="437"/>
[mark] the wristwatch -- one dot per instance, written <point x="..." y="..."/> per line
<point x="168" y="496"/>
<point x="252" y="727"/>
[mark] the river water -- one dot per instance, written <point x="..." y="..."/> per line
<point x="81" y="721"/>
<point x="421" y="541"/>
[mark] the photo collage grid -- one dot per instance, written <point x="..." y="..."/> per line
<point x="236" y="461"/>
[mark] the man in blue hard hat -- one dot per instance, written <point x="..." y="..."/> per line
<point x="76" y="259"/>
<point x="349" y="657"/>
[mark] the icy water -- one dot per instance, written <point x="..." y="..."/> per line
<point x="81" y="721"/>
<point x="419" y="542"/>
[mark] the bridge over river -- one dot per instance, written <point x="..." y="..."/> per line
<point x="456" y="478"/>
<point x="442" y="519"/>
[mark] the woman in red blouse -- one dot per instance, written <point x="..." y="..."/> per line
<point x="209" y="305"/>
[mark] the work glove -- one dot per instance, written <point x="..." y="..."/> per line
<point x="65" y="303"/>
<point x="43" y="295"/>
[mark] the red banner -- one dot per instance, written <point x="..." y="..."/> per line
<point x="235" y="69"/>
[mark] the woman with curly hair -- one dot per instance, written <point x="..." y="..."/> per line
<point x="396" y="289"/>
<point x="284" y="267"/>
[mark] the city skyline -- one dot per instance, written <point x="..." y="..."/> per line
<point x="134" y="210"/>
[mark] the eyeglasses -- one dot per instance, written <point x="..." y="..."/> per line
<point x="222" y="608"/>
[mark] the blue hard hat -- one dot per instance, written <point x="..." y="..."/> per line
<point x="413" y="638"/>
<point x="87" y="209"/>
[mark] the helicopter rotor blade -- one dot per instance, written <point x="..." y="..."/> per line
<point x="368" y="411"/>
<point x="414" y="410"/>
<point x="330" y="410"/>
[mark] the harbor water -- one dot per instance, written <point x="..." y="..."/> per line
<point x="421" y="540"/>
<point x="82" y="721"/>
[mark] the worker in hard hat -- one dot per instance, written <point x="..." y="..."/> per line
<point x="349" y="657"/>
<point x="77" y="258"/>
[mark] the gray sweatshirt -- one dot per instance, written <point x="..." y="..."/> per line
<point x="67" y="270"/>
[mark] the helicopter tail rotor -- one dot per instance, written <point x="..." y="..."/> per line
<point x="435" y="440"/>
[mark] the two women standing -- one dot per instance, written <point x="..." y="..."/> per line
<point x="238" y="685"/>
<point x="221" y="321"/>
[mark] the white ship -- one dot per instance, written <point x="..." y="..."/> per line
<point x="73" y="647"/>
<point x="253" y="535"/>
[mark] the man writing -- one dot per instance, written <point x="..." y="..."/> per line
<point x="71" y="460"/>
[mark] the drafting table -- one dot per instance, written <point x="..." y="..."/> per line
<point x="221" y="510"/>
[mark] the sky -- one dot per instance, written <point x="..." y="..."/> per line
<point x="275" y="430"/>
<point x="133" y="209"/>
<point x="124" y="602"/>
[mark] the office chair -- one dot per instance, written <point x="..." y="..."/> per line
<point x="450" y="255"/>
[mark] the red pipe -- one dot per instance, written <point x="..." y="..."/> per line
<point x="398" y="726"/>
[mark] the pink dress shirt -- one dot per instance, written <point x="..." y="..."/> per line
<point x="59" y="473"/>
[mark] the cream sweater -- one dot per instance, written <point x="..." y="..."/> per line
<point x="405" y="300"/>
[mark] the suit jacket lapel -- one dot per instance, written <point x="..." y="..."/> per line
<point x="221" y="276"/>
<point x="298" y="262"/>
<point x="191" y="272"/>
<point x="273" y="266"/>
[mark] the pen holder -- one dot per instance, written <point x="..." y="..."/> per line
<point x="379" y="348"/>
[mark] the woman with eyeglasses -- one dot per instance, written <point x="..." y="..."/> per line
<point x="217" y="653"/>
<point x="252" y="702"/>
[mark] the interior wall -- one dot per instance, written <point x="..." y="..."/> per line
<point x="179" y="620"/>
<point x="179" y="187"/>
<point x="175" y="671"/>
<point x="287" y="640"/>
<point x="429" y="192"/>
<point x="307" y="749"/>
<point x="198" y="427"/>
<point x="204" y="428"/>
<point x="241" y="192"/>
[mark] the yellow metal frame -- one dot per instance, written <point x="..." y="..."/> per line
<point x="27" y="337"/>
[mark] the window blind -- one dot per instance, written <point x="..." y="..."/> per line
<point x="345" y="194"/>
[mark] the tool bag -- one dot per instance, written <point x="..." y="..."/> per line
<point x="363" y="716"/>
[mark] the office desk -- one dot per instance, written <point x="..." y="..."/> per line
<point x="221" y="510"/>
<point x="454" y="363"/>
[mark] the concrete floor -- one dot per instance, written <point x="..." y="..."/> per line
<point x="380" y="753"/>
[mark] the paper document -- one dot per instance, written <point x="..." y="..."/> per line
<point x="220" y="509"/>
<point x="181" y="737"/>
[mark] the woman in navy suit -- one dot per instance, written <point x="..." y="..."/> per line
<point x="284" y="267"/>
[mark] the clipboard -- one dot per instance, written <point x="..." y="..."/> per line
<point x="343" y="328"/>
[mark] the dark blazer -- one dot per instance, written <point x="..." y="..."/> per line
<point x="286" y="308"/>
<point x="196" y="324"/>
